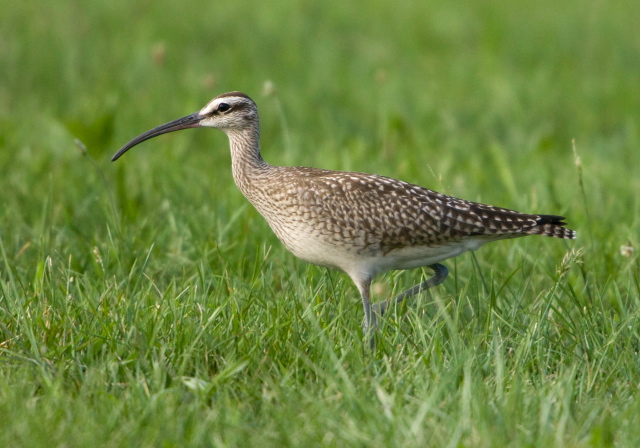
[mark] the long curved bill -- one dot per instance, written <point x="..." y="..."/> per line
<point x="190" y="121"/>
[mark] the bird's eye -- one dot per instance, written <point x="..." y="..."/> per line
<point x="223" y="107"/>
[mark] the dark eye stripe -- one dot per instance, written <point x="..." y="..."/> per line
<point x="223" y="107"/>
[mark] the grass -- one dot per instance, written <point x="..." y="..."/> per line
<point x="145" y="303"/>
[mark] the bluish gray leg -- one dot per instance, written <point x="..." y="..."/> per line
<point x="440" y="273"/>
<point x="369" y="325"/>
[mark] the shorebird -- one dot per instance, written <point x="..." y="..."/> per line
<point x="362" y="224"/>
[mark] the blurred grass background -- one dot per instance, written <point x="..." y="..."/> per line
<point x="145" y="303"/>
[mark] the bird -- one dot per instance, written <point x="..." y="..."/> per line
<point x="361" y="224"/>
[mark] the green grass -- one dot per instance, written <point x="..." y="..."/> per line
<point x="145" y="303"/>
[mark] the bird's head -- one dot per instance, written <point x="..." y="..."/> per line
<point x="229" y="112"/>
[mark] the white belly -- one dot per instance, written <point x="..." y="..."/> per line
<point x="349" y="258"/>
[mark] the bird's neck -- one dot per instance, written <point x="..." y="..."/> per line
<point x="247" y="164"/>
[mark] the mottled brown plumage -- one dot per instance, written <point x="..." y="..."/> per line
<point x="362" y="224"/>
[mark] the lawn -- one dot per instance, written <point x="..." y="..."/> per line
<point x="146" y="303"/>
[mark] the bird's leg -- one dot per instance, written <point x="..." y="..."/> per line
<point x="369" y="316"/>
<point x="440" y="273"/>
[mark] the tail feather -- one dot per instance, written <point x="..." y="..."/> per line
<point x="553" y="226"/>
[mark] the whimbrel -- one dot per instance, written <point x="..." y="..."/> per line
<point x="362" y="224"/>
